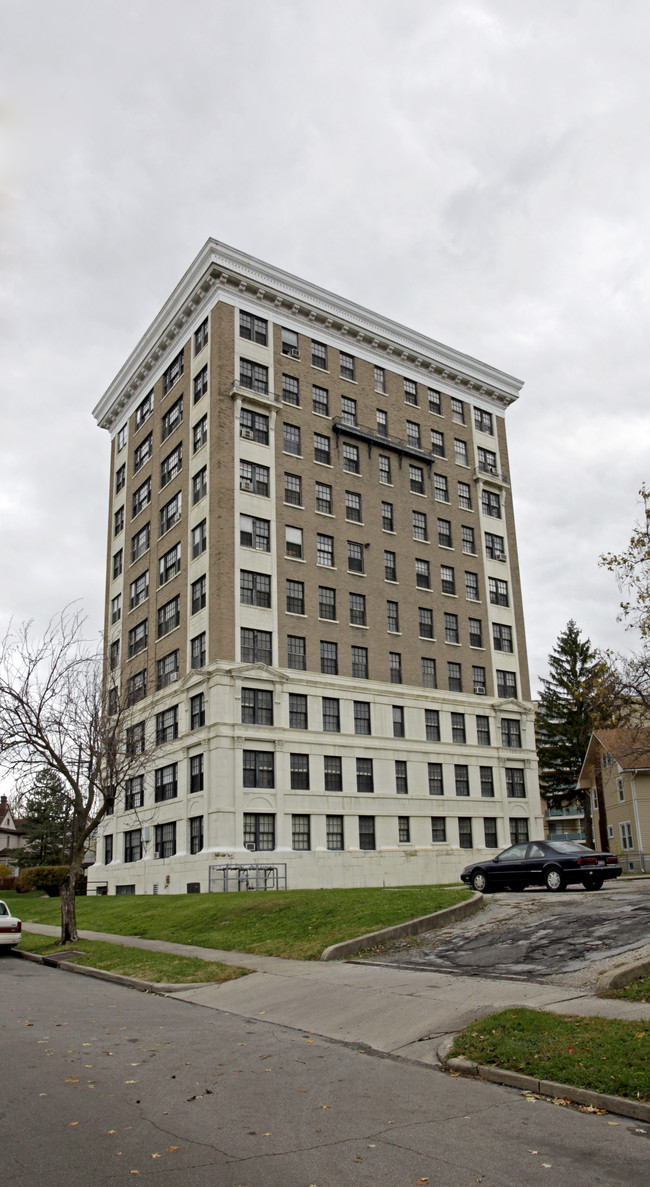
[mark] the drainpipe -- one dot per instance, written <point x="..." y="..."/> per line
<point x="636" y="818"/>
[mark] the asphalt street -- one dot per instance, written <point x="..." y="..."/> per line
<point x="105" y="1085"/>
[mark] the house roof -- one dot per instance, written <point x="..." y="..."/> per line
<point x="630" y="748"/>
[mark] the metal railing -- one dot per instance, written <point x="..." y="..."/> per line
<point x="247" y="876"/>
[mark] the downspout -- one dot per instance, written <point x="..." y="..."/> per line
<point x="636" y="818"/>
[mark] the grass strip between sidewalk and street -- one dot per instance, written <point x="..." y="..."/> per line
<point x="292" y="923"/>
<point x="637" y="991"/>
<point x="158" y="967"/>
<point x="604" y="1054"/>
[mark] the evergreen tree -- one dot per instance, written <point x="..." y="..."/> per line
<point x="45" y="816"/>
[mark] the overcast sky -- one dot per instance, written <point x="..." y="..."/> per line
<point x="478" y="171"/>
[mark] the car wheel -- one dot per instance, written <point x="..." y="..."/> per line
<point x="592" y="881"/>
<point x="479" y="882"/>
<point x="554" y="879"/>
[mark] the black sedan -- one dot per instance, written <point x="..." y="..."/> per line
<point x="553" y="864"/>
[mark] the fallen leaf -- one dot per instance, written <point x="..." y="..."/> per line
<point x="112" y="1131"/>
<point x="130" y="1081"/>
<point x="76" y="1122"/>
<point x="134" y="1172"/>
<point x="171" y="1149"/>
<point x="156" y="1155"/>
<point x="72" y="1080"/>
<point x="421" y="1182"/>
<point x="267" y="1135"/>
<point x="547" y="1164"/>
<point x="613" y="1123"/>
<point x="326" y="1106"/>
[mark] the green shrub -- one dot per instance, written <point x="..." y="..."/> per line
<point x="47" y="878"/>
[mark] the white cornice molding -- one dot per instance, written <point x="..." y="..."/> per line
<point x="222" y="270"/>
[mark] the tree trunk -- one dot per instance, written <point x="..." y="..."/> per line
<point x="68" y="902"/>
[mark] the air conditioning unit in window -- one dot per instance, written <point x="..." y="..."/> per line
<point x="246" y="433"/>
<point x="480" y="692"/>
<point x="292" y="352"/>
<point x="245" y="484"/>
<point x="250" y="845"/>
<point x="158" y="853"/>
<point x="500" y="556"/>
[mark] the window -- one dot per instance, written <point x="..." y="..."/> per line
<point x="137" y="687"/>
<point x="143" y="411"/>
<point x="172" y="418"/>
<point x="515" y="784"/>
<point x="416" y="480"/>
<point x="347" y="366"/>
<point x="300" y="838"/>
<point x="366" y="832"/>
<point x="255" y="329"/>
<point x="435" y="401"/>
<point x="167" y="725"/>
<point x="465" y="832"/>
<point x="454" y="677"/>
<point x="165" y="840"/>
<point x="326" y="603"/>
<point x="324" y="498"/>
<point x="518" y="832"/>
<point x="258" y="768"/>
<point x="353" y="507"/>
<point x="511" y="732"/>
<point x="171" y="465"/>
<point x="132" y="845"/>
<point x="118" y="521"/>
<point x="199" y="594"/>
<point x="420" y="531"/>
<point x="296" y="655"/>
<point x="169" y="564"/>
<point x="441" y="488"/>
<point x="382" y="422"/>
<point x="365" y="780"/>
<point x="506" y="684"/>
<point x="201" y="337"/>
<point x="325" y="550"/>
<point x="329" y="658"/>
<point x="134" y="793"/>
<point x="348" y="411"/>
<point x="138" y="638"/>
<point x="253" y="376"/>
<point x="141" y="497"/>
<point x="121" y="438"/>
<point x="491" y="504"/>
<point x="320" y="400"/>
<point x="413" y="434"/>
<point x="331" y="715"/>
<point x="293" y="489"/>
<point x="380" y="380"/>
<point x="494" y="547"/>
<point x="196" y="834"/>
<point x="139" y="590"/>
<point x="115" y="654"/>
<point x="387" y="520"/>
<point x="487" y="782"/>
<point x="398" y="721"/>
<point x="254" y="588"/>
<point x="197" y="711"/>
<point x="116" y="608"/>
<point x="351" y="459"/>
<point x="332" y="771"/>
<point x="429" y="677"/>
<point x="293" y="542"/>
<point x="437" y="443"/>
<point x="502" y="636"/>
<point x="471" y="587"/>
<point x="170" y="514"/>
<point x="464" y="496"/>
<point x="254" y="426"/>
<point x="295" y="597"/>
<point x="444" y="533"/>
<point x="460" y="452"/>
<point x="447" y="580"/>
<point x="334" y="832"/>
<point x="297" y="711"/>
<point x="620" y="791"/>
<point x="167" y="669"/>
<point x="289" y="343"/>
<point x="200" y="384"/>
<point x="197" y="647"/>
<point x="355" y="557"/>
<point x="425" y="621"/>
<point x="360" y="662"/>
<point x="457" y="411"/>
<point x="403" y="829"/>
<point x="166" y="783"/>
<point x="256" y="706"/>
<point x="627" y="840"/>
<point x="392" y="616"/>
<point x="498" y="592"/>
<point x="410" y="391"/>
<point x="432" y="725"/>
<point x="469" y="544"/>
<point x="200" y="434"/>
<point x="434" y="773"/>
<point x="362" y="717"/>
<point x="438" y="829"/>
<point x="200" y="485"/>
<point x="118" y="563"/>
<point x="357" y="609"/>
<point x="259" y="830"/>
<point x="291" y="390"/>
<point x="390" y="565"/>
<point x="173" y="373"/>
<point x="319" y="355"/>
<point x="254" y="533"/>
<point x="475" y="632"/>
<point x="384" y="470"/>
<point x="108" y="850"/>
<point x="458" y="732"/>
<point x="422" y="574"/>
<point x="478" y="681"/>
<point x="483" y="421"/>
<point x="291" y="439"/>
<point x="482" y="730"/>
<point x="487" y="461"/>
<point x="254" y="478"/>
<point x="401" y="779"/>
<point x="196" y="773"/>
<point x="395" y="667"/>
<point x="120" y="479"/>
<point x="322" y="449"/>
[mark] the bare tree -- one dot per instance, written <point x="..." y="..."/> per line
<point x="58" y="712"/>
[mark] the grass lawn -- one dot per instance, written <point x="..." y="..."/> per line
<point x="605" y="1054"/>
<point x="136" y="962"/>
<point x="290" y="923"/>
<point x="636" y="991"/>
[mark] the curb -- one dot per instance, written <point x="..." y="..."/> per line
<point x="412" y="928"/>
<point x="621" y="977"/>
<point x="68" y="966"/>
<point x="638" y="1110"/>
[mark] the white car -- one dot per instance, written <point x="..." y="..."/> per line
<point x="10" y="928"/>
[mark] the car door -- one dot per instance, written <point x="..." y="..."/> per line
<point x="509" y="865"/>
<point x="535" y="858"/>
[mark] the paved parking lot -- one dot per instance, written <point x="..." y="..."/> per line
<point x="569" y="938"/>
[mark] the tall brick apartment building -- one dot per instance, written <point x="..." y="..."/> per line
<point x="313" y="597"/>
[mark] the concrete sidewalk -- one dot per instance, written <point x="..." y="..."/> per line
<point x="399" y="1011"/>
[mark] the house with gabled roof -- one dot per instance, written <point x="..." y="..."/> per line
<point x="616" y="771"/>
<point x="12" y="836"/>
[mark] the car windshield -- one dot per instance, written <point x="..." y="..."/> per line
<point x="569" y="847"/>
<point x="3" y="909"/>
